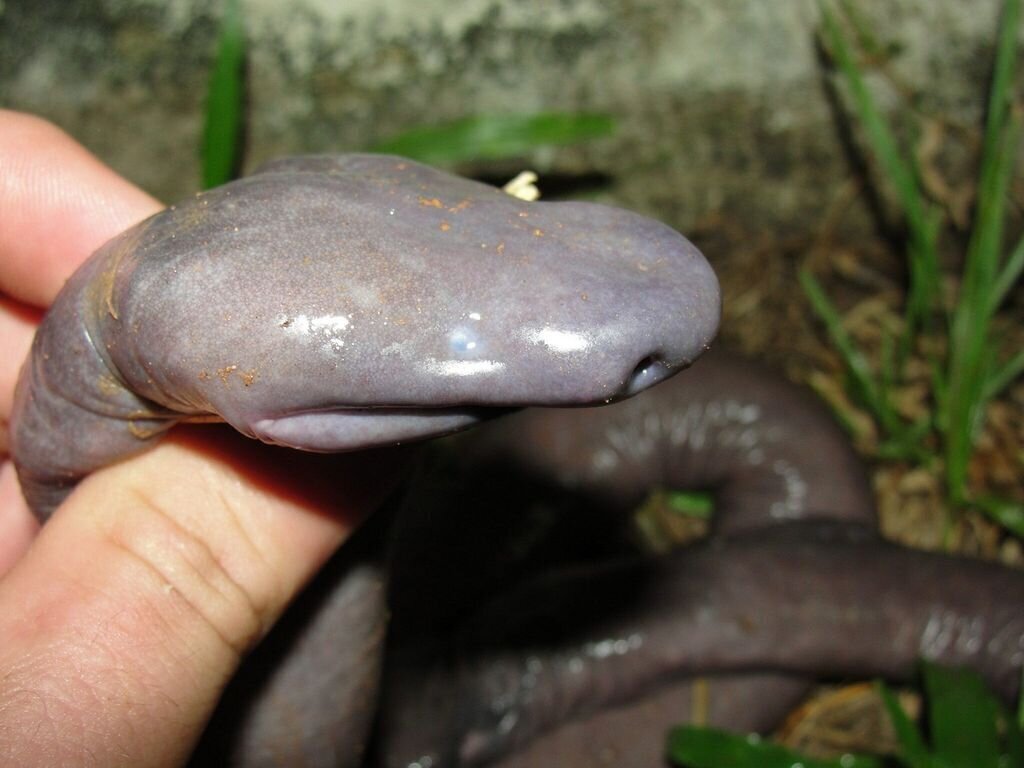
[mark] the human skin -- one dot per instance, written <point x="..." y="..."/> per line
<point x="122" y="620"/>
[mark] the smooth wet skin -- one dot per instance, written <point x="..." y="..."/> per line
<point x="341" y="302"/>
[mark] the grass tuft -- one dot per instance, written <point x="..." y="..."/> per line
<point x="972" y="368"/>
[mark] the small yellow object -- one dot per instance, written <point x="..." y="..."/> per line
<point x="523" y="187"/>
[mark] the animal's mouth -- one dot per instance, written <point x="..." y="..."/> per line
<point x="350" y="429"/>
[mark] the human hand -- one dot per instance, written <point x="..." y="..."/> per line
<point x="122" y="620"/>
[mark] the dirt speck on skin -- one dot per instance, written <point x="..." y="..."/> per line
<point x="225" y="373"/>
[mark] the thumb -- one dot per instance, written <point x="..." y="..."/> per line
<point x="124" y="621"/>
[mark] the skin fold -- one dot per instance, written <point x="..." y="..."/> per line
<point x="338" y="303"/>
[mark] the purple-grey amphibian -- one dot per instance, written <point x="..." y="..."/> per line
<point x="336" y="303"/>
<point x="342" y="302"/>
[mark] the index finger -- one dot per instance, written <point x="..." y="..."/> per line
<point x="58" y="204"/>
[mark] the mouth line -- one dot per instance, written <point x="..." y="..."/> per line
<point x="406" y="409"/>
<point x="346" y="429"/>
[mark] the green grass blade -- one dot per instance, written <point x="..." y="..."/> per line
<point x="913" y="751"/>
<point x="221" y="147"/>
<point x="863" y="378"/>
<point x="1014" y="744"/>
<point x="982" y="275"/>
<point x="1008" y="276"/>
<point x="971" y="353"/>
<point x="866" y="38"/>
<point x="1004" y="375"/>
<point x="698" y="504"/>
<point x="925" y="278"/>
<point x="489" y="137"/>
<point x="888" y="366"/>
<point x="963" y="717"/>
<point x="1020" y="704"/>
<point x="1001" y="90"/>
<point x="695" y="747"/>
<point x="909" y="444"/>
<point x="1008" y="514"/>
<point x="883" y="144"/>
<point x="922" y="220"/>
<point x="940" y="391"/>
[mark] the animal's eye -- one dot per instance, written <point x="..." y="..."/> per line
<point x="463" y="341"/>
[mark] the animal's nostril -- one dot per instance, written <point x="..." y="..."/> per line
<point x="647" y="373"/>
